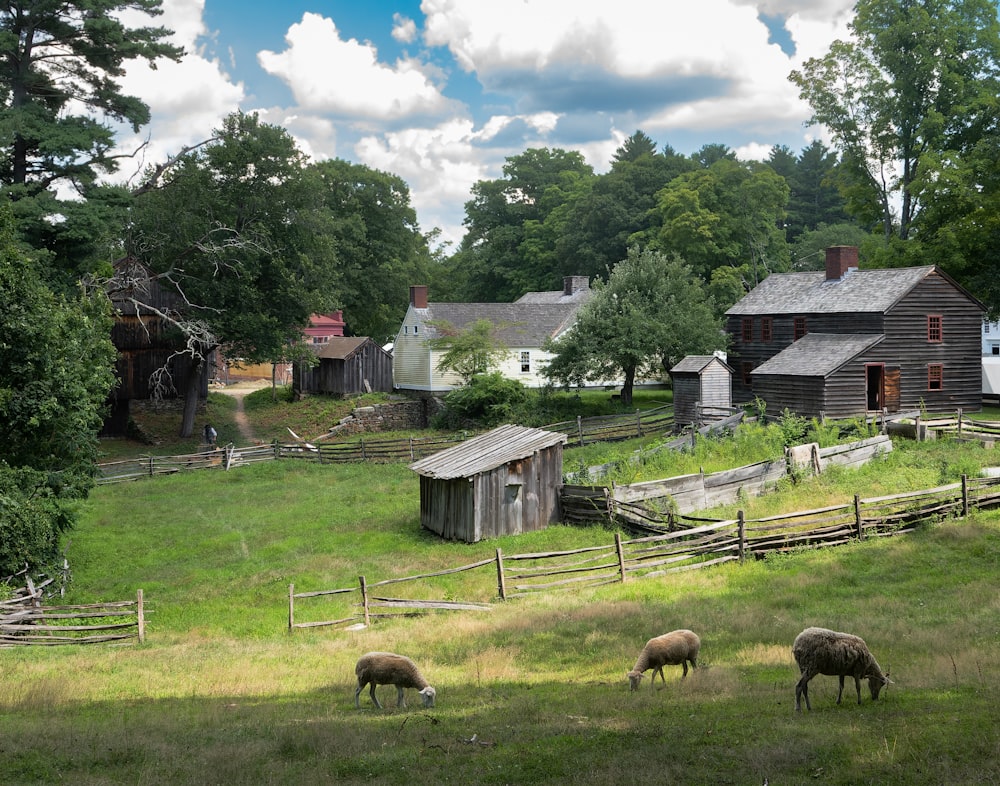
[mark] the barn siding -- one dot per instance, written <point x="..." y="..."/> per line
<point x="687" y="392"/>
<point x="517" y="497"/>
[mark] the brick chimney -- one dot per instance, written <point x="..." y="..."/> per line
<point x="840" y="259"/>
<point x="418" y="296"/>
<point x="574" y="284"/>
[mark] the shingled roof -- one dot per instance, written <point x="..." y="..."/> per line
<point x="818" y="354"/>
<point x="872" y="291"/>
<point x="340" y="347"/>
<point x="516" y="324"/>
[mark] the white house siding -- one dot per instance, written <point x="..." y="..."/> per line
<point x="411" y="362"/>
<point x="715" y="386"/>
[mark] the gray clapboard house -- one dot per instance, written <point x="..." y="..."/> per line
<point x="348" y="365"/>
<point x="846" y="342"/>
<point x="504" y="482"/>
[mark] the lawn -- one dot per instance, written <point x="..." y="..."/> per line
<point x="533" y="691"/>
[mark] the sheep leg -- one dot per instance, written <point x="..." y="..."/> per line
<point x="802" y="690"/>
<point x="400" y="698"/>
<point x="841" y="691"/>
<point x="374" y="697"/>
<point x="857" y="687"/>
<point x="685" y="667"/>
<point x="652" y="681"/>
<point x="357" y="695"/>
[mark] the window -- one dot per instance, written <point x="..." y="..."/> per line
<point x="935" y="376"/>
<point x="415" y="329"/>
<point x="934" y="327"/>
<point x="525" y="362"/>
<point x="766" y="329"/>
<point x="799" y="327"/>
<point x="745" y="368"/>
<point x="746" y="329"/>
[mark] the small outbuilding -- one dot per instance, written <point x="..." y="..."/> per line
<point x="504" y="482"/>
<point x="702" y="383"/>
<point x="348" y="365"/>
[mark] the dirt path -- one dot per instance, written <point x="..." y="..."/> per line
<point x="238" y="391"/>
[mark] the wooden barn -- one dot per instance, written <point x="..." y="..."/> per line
<point x="146" y="342"/>
<point x="702" y="383"/>
<point x="347" y="366"/>
<point x="504" y="482"/>
<point x="845" y="342"/>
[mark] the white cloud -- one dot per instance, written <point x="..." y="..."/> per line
<point x="404" y="29"/>
<point x="326" y="73"/>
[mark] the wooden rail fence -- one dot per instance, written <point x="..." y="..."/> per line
<point x="673" y="543"/>
<point x="25" y="621"/>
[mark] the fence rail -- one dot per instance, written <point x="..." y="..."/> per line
<point x="672" y="543"/>
<point x="24" y="621"/>
<point x="613" y="428"/>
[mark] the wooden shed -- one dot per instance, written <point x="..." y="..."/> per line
<point x="701" y="383"/>
<point x="348" y="365"/>
<point x="504" y="482"/>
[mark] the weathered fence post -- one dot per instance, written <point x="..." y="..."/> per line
<point x="638" y="423"/>
<point x="916" y="425"/>
<point x="411" y="448"/>
<point x="621" y="555"/>
<point x="959" y="422"/>
<point x="364" y="599"/>
<point x="140" y="617"/>
<point x="858" y="525"/>
<point x="965" y="496"/>
<point x="501" y="583"/>
<point x="150" y="466"/>
<point x="364" y="457"/>
<point x="291" y="607"/>
<point x="741" y="529"/>
<point x="579" y="427"/>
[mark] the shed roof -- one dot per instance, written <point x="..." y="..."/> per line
<point x="818" y="354"/>
<point x="870" y="291"/>
<point x="695" y="364"/>
<point x="486" y="452"/>
<point x="516" y="324"/>
<point x="341" y="347"/>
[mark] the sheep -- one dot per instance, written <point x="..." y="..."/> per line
<point x="822" y="651"/>
<point x="386" y="668"/>
<point x="670" y="649"/>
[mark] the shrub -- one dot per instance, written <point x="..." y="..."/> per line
<point x="488" y="400"/>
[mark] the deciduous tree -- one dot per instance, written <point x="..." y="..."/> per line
<point x="652" y="311"/>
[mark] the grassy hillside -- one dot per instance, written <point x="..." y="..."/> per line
<point x="532" y="692"/>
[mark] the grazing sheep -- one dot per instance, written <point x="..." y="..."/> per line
<point x="822" y="651"/>
<point x="670" y="649"/>
<point x="385" y="668"/>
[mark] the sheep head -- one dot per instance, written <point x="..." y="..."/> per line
<point x="634" y="679"/>
<point x="878" y="681"/>
<point x="427" y="696"/>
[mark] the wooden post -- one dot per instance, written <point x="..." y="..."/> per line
<point x="916" y="424"/>
<point x="959" y="422"/>
<point x="364" y="599"/>
<point x="140" y="616"/>
<point x="291" y="607"/>
<point x="965" y="496"/>
<point x="363" y="456"/>
<point x="621" y="555"/>
<point x="150" y="466"/>
<point x="501" y="583"/>
<point x="697" y="414"/>
<point x="579" y="427"/>
<point x="411" y="448"/>
<point x="857" y="518"/>
<point x="741" y="528"/>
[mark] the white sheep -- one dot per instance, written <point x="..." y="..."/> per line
<point x="822" y="651"/>
<point x="386" y="668"/>
<point x="670" y="649"/>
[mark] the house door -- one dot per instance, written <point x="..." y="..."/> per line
<point x="874" y="386"/>
<point x="890" y="386"/>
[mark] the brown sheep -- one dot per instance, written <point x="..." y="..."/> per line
<point x="670" y="649"/>
<point x="386" y="668"/>
<point x="822" y="651"/>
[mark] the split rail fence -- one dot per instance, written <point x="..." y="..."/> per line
<point x="25" y="621"/>
<point x="676" y="543"/>
<point x="583" y="430"/>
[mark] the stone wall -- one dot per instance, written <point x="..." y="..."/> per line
<point x="394" y="416"/>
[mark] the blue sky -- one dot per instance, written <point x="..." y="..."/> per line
<point x="441" y="92"/>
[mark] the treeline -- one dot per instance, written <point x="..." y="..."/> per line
<point x="733" y="222"/>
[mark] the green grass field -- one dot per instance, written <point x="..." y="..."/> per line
<point x="533" y="692"/>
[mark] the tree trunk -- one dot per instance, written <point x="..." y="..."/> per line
<point x="627" y="386"/>
<point x="192" y="392"/>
